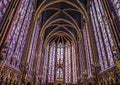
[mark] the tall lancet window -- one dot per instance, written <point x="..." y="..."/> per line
<point x="52" y="62"/>
<point x="60" y="53"/>
<point x="67" y="62"/>
<point x="3" y="7"/>
<point x="102" y="34"/>
<point x="18" y="32"/>
<point x="62" y="66"/>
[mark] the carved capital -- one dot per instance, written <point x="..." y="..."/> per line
<point x="117" y="62"/>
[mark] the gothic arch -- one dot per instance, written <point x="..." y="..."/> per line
<point x="41" y="8"/>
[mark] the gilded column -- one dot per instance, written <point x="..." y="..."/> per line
<point x="95" y="66"/>
<point x="38" y="58"/>
<point x="26" y="49"/>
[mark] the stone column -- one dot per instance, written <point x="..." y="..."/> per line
<point x="26" y="49"/>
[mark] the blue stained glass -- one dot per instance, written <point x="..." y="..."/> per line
<point x="3" y="7"/>
<point x="18" y="32"/>
<point x="102" y="35"/>
<point x="59" y="74"/>
<point x="116" y="4"/>
<point x="52" y="63"/>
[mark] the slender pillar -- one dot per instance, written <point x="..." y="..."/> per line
<point x="26" y="49"/>
<point x="38" y="58"/>
<point x="71" y="53"/>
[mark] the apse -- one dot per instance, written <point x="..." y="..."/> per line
<point x="59" y="53"/>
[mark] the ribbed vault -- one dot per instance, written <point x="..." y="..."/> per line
<point x="59" y="16"/>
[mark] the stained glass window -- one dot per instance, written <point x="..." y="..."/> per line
<point x="62" y="62"/>
<point x="60" y="54"/>
<point x="59" y="74"/>
<point x="52" y="63"/>
<point x="18" y="32"/>
<point x="116" y="4"/>
<point x="102" y="34"/>
<point x="3" y="7"/>
<point x="67" y="62"/>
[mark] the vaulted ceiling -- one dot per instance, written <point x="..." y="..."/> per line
<point x="84" y="2"/>
<point x="61" y="19"/>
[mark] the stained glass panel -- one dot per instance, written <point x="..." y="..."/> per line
<point x="102" y="34"/>
<point x="3" y="7"/>
<point x="52" y="63"/>
<point x="116" y="4"/>
<point x="65" y="63"/>
<point x="18" y="32"/>
<point x="59" y="74"/>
